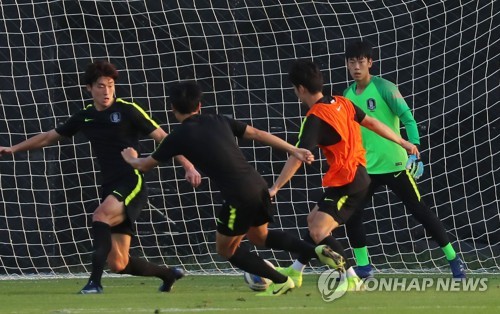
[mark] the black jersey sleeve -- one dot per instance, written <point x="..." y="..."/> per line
<point x="309" y="136"/>
<point x="71" y="126"/>
<point x="141" y="120"/>
<point x="168" y="148"/>
<point x="237" y="127"/>
<point x="316" y="132"/>
<point x="359" y="115"/>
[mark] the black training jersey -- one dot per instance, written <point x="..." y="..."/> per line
<point x="208" y="141"/>
<point x="109" y="132"/>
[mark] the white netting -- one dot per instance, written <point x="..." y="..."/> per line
<point x="442" y="55"/>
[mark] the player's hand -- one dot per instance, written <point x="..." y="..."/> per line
<point x="411" y="148"/>
<point x="193" y="176"/>
<point x="5" y="151"/>
<point x="303" y="155"/>
<point x="129" y="153"/>
<point x="272" y="192"/>
<point x="415" y="166"/>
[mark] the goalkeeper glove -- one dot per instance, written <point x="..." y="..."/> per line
<point x="415" y="166"/>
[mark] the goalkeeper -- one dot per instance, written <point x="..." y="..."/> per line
<point x="387" y="163"/>
<point x="111" y="125"/>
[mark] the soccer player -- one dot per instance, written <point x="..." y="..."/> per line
<point x="386" y="161"/>
<point x="208" y="141"/>
<point x="333" y="124"/>
<point x="111" y="125"/>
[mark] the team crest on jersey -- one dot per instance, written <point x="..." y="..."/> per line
<point x="115" y="117"/>
<point x="370" y="104"/>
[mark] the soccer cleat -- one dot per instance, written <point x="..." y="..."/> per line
<point x="276" y="289"/>
<point x="364" y="271"/>
<point x="174" y="274"/>
<point x="355" y="284"/>
<point x="457" y="268"/>
<point x="91" y="288"/>
<point x="331" y="258"/>
<point x="292" y="273"/>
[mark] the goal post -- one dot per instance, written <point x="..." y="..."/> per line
<point x="443" y="56"/>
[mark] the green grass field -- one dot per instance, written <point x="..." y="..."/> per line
<point x="229" y="294"/>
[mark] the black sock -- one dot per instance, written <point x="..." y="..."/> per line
<point x="281" y="240"/>
<point x="254" y="264"/>
<point x="140" y="267"/>
<point x="355" y="230"/>
<point x="305" y="259"/>
<point x="102" y="247"/>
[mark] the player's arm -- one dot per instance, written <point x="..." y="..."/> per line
<point x="301" y="154"/>
<point x="384" y="131"/>
<point x="308" y="139"/>
<point x="291" y="166"/>
<point x="400" y="108"/>
<point x="192" y="175"/>
<point x="38" y="141"/>
<point x="145" y="164"/>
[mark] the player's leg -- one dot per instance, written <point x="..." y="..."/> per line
<point x="356" y="233"/>
<point x="405" y="187"/>
<point x="333" y="209"/>
<point x="234" y="220"/>
<point x="108" y="213"/>
<point x="320" y="225"/>
<point x="277" y="239"/>
<point x="134" y="198"/>
<point x="228" y="246"/>
<point x="120" y="262"/>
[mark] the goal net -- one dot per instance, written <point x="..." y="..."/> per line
<point x="443" y="55"/>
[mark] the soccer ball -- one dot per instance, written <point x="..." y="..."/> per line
<point x="257" y="283"/>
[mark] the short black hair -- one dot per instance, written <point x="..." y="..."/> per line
<point x="358" y="49"/>
<point x="307" y="74"/>
<point x="185" y="96"/>
<point x="99" y="69"/>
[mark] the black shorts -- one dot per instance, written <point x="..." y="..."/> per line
<point x="132" y="191"/>
<point x="237" y="215"/>
<point x="342" y="202"/>
<point x="401" y="183"/>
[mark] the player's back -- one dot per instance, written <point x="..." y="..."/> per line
<point x="208" y="141"/>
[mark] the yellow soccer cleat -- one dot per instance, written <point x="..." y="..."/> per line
<point x="331" y="258"/>
<point x="276" y="289"/>
<point x="296" y="275"/>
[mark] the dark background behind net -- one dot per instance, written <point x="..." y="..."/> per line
<point x="443" y="57"/>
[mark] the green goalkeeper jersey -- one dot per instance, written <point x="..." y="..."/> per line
<point x="382" y="100"/>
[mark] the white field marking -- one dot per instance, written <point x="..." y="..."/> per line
<point x="273" y="309"/>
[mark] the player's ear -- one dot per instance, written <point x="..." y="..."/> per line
<point x="302" y="89"/>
